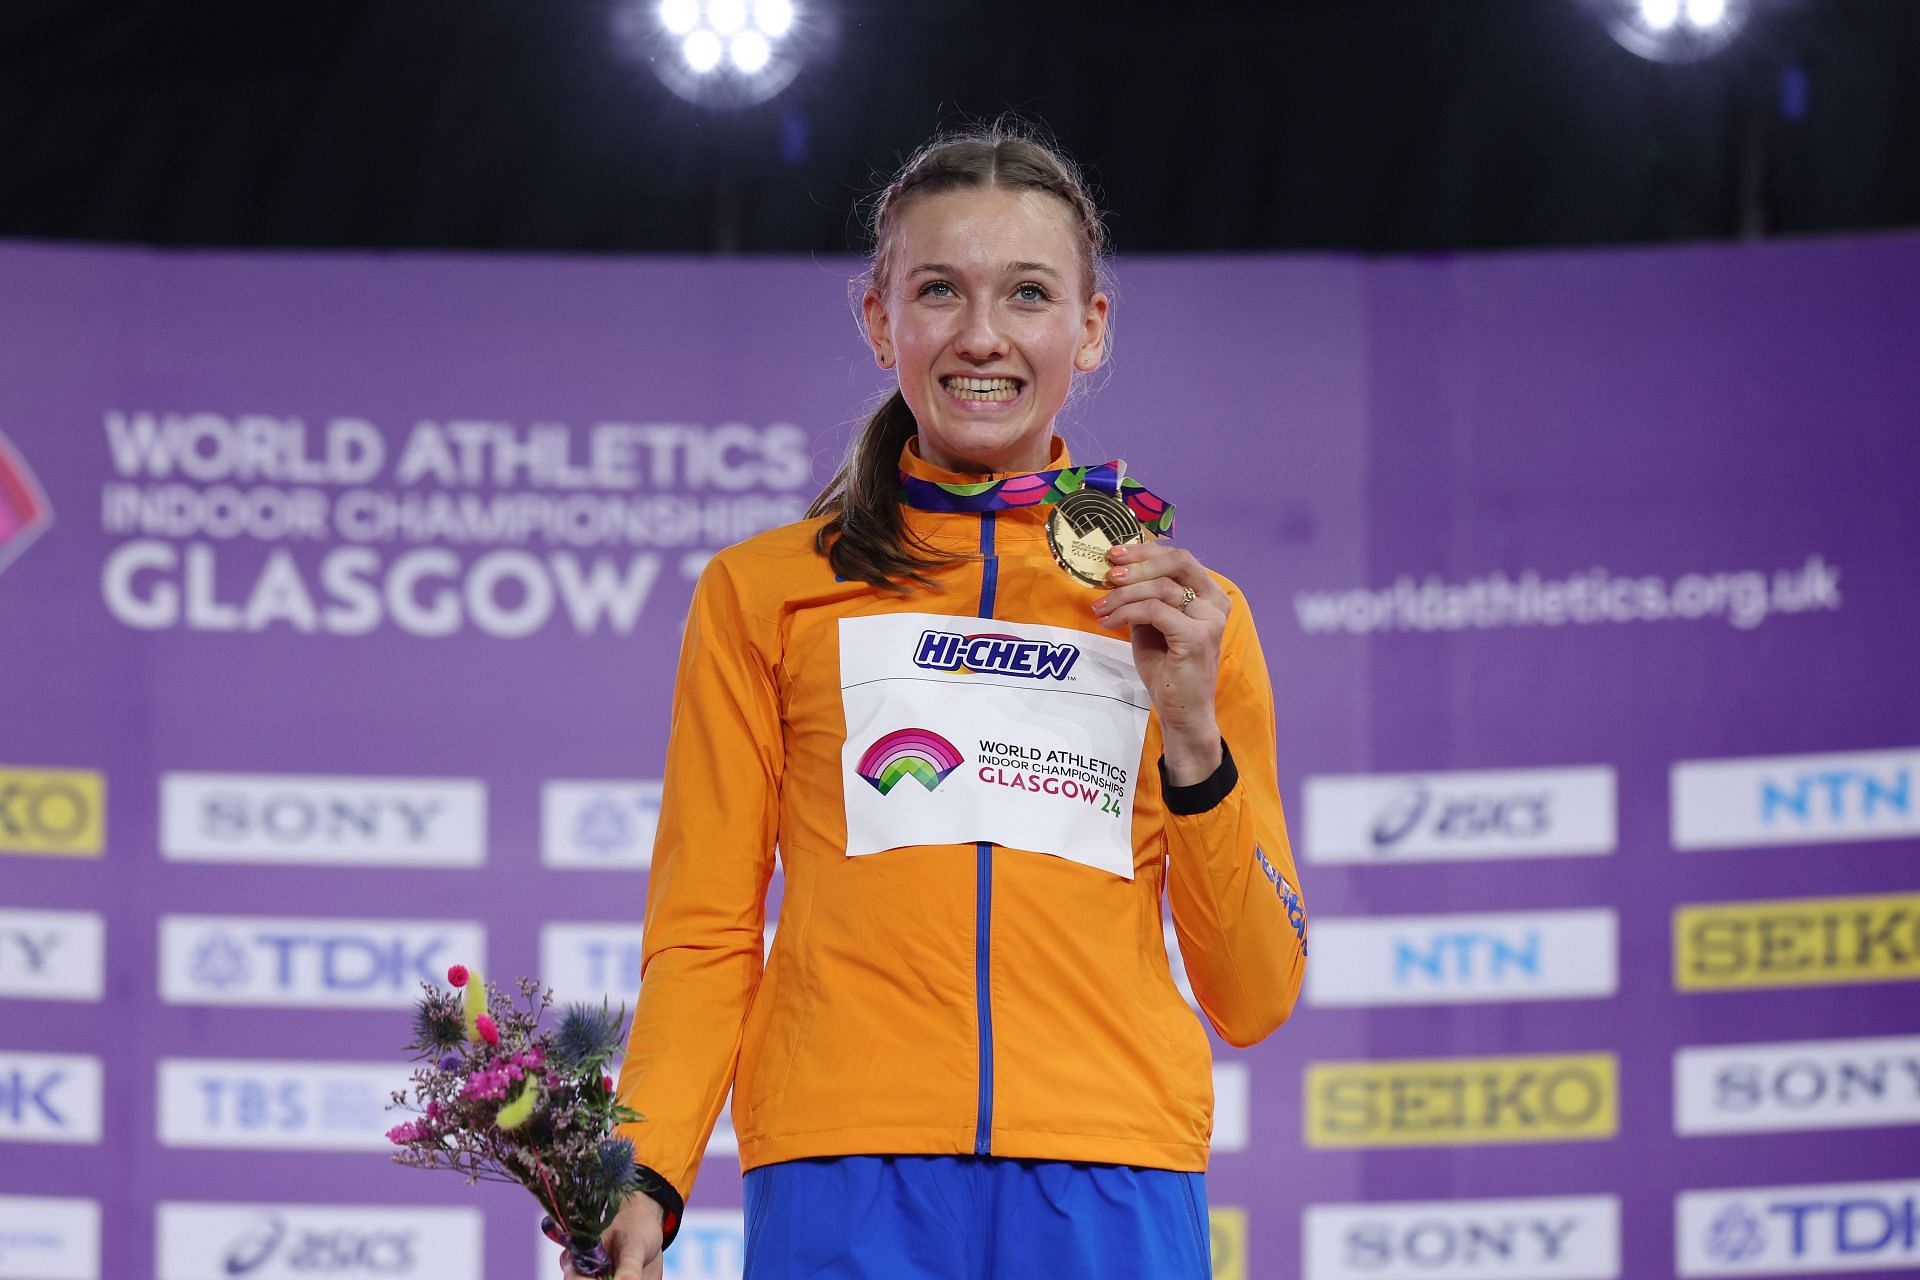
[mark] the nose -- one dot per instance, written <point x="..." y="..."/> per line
<point x="980" y="339"/>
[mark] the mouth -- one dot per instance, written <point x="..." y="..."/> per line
<point x="982" y="390"/>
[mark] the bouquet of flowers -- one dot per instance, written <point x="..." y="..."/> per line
<point x="500" y="1100"/>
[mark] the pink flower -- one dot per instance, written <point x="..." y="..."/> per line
<point x="457" y="975"/>
<point x="606" y="1082"/>
<point x="488" y="1031"/>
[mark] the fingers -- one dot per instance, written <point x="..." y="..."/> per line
<point x="1156" y="561"/>
<point x="1167" y="591"/>
<point x="654" y="1269"/>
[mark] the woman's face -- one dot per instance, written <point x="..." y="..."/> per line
<point x="986" y="317"/>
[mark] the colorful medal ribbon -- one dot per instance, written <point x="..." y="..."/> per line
<point x="1039" y="488"/>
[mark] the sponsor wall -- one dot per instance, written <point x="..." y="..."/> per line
<point x="339" y="598"/>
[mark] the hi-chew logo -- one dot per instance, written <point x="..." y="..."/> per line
<point x="995" y="654"/>
<point x="49" y="1238"/>
<point x="920" y="754"/>
<point x="25" y="513"/>
<point x="1768" y="1231"/>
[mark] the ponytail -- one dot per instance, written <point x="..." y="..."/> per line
<point x="867" y="540"/>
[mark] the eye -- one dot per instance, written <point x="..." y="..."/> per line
<point x="1031" y="292"/>
<point x="928" y="290"/>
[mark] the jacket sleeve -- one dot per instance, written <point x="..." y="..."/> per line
<point x="706" y="892"/>
<point x="1237" y="908"/>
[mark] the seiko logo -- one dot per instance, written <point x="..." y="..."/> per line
<point x="1002" y="655"/>
<point x="1515" y="955"/>
<point x="1797" y="1085"/>
<point x="361" y="963"/>
<point x="1796" y="942"/>
<point x="1547" y="1238"/>
<point x="52" y="811"/>
<point x="367" y="821"/>
<point x="1862" y="795"/>
<point x="1774" y="1230"/>
<point x="1422" y="1101"/>
<point x="1498" y="814"/>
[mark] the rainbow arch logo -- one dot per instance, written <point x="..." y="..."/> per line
<point x="920" y="754"/>
<point x="24" y="510"/>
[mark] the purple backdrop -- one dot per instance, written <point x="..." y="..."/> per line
<point x="1363" y="446"/>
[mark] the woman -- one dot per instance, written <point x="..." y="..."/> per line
<point x="966" y="1056"/>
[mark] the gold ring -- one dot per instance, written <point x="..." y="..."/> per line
<point x="1191" y="595"/>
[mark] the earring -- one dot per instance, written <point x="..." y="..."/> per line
<point x="886" y="358"/>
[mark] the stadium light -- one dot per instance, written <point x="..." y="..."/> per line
<point x="1673" y="30"/>
<point x="715" y="53"/>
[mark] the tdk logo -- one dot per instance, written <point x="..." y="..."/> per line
<point x="1000" y="655"/>
<point x="49" y="1097"/>
<point x="308" y="962"/>
<point x="1777" y="1230"/>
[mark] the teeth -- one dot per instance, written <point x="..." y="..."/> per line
<point x="983" y="388"/>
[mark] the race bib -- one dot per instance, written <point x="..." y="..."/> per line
<point x="965" y="729"/>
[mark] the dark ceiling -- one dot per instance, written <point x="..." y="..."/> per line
<point x="1373" y="125"/>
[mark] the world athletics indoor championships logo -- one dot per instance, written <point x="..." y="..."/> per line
<point x="25" y="512"/>
<point x="921" y="754"/>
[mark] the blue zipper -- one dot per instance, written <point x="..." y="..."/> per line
<point x="983" y="903"/>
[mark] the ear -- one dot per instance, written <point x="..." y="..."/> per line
<point x="873" y="310"/>
<point x="1093" y="335"/>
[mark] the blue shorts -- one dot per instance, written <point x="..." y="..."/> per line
<point x="973" y="1218"/>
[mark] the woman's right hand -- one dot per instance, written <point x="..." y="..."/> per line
<point x="633" y="1242"/>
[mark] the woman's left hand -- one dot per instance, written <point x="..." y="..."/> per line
<point x="1177" y="650"/>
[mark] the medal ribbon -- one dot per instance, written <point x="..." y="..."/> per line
<point x="1039" y="488"/>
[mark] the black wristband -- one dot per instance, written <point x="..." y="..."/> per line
<point x="1204" y="794"/>
<point x="672" y="1206"/>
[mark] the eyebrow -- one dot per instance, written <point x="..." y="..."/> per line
<point x="1012" y="268"/>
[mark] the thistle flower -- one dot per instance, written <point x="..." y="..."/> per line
<point x="437" y="1024"/>
<point x="586" y="1036"/>
<point x="613" y="1170"/>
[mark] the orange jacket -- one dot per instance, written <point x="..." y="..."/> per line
<point x="936" y="999"/>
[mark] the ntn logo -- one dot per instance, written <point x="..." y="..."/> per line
<point x="1837" y="795"/>
<point x="1467" y="956"/>
<point x="995" y="654"/>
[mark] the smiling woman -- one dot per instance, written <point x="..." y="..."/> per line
<point x="987" y="730"/>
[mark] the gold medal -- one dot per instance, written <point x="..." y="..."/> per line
<point x="1083" y="526"/>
